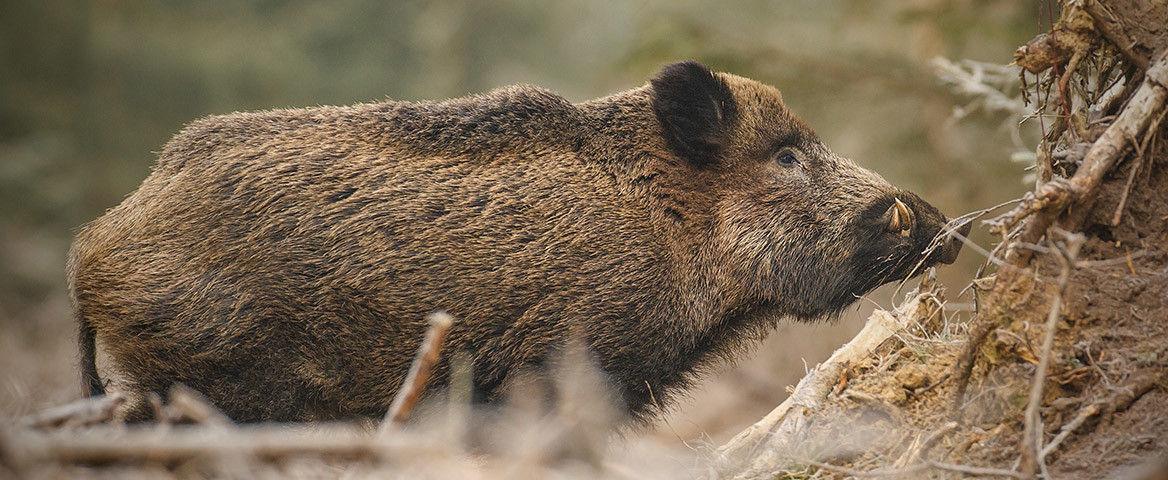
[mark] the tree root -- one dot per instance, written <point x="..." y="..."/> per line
<point x="1066" y="201"/>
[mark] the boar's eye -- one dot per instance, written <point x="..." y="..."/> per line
<point x="786" y="158"/>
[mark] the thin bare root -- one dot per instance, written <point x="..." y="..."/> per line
<point x="1068" y="252"/>
<point x="1053" y="195"/>
<point x="1143" y="109"/>
<point x="1085" y="413"/>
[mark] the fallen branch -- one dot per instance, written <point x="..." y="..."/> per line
<point x="766" y="442"/>
<point x="83" y="412"/>
<point x="414" y="384"/>
<point x="1137" y="385"/>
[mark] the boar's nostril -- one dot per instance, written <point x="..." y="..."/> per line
<point x="953" y="243"/>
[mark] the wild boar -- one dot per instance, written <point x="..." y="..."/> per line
<point x="282" y="262"/>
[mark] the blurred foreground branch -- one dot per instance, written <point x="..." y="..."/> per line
<point x="182" y="443"/>
<point x="83" y="412"/>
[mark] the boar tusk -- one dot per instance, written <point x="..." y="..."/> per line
<point x="893" y="216"/>
<point x="901" y="218"/>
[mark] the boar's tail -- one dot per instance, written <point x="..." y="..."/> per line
<point x="90" y="382"/>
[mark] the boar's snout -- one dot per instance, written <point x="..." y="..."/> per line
<point x="951" y="242"/>
<point x="943" y="236"/>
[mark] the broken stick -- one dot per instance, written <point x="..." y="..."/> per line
<point x="1032" y="432"/>
<point x="415" y="382"/>
<point x="188" y="403"/>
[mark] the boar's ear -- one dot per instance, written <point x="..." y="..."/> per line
<point x="695" y="108"/>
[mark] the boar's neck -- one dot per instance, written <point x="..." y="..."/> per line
<point x="705" y="315"/>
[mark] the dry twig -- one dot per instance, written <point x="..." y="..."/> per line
<point x="982" y="471"/>
<point x="964" y="365"/>
<point x="1084" y="413"/>
<point x="852" y="472"/>
<point x="905" y="472"/>
<point x="414" y="384"/>
<point x="932" y="439"/>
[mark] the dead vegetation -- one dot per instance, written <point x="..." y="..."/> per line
<point x="1058" y="373"/>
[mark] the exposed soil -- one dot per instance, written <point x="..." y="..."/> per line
<point x="1112" y="345"/>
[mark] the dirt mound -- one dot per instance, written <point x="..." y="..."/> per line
<point x="1105" y="386"/>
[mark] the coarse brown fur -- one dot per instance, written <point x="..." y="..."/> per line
<point x="282" y="262"/>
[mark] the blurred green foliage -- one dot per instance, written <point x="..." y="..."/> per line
<point x="88" y="90"/>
